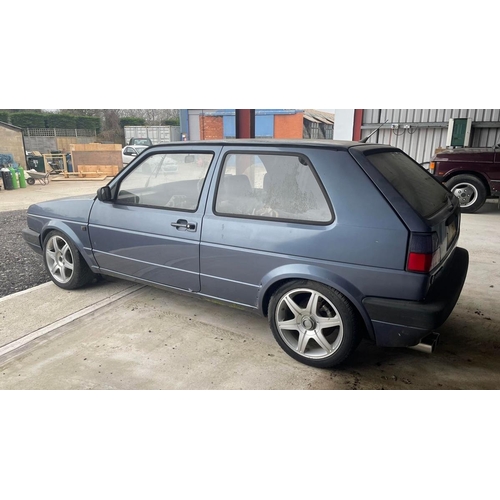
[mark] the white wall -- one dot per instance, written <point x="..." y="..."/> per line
<point x="344" y="123"/>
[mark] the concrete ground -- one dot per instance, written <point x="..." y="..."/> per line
<point x="58" y="187"/>
<point x="117" y="335"/>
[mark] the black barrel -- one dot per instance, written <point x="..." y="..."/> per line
<point x="7" y="178"/>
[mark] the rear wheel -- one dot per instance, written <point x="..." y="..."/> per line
<point x="313" y="323"/>
<point x="63" y="261"/>
<point x="470" y="191"/>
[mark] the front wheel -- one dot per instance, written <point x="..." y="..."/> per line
<point x="30" y="181"/>
<point x="313" y="323"/>
<point x="469" y="190"/>
<point x="63" y="261"/>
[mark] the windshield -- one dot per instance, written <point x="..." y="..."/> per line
<point x="143" y="142"/>
<point x="426" y="195"/>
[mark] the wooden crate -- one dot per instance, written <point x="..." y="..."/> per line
<point x="96" y="146"/>
<point x="97" y="170"/>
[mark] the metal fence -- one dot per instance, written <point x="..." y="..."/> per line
<point x="58" y="132"/>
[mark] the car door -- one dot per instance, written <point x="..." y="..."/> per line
<point x="128" y="154"/>
<point x="150" y="229"/>
<point x="495" y="174"/>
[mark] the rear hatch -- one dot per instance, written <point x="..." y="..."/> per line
<point x="434" y="224"/>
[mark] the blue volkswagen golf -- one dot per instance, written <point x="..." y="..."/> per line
<point x="332" y="241"/>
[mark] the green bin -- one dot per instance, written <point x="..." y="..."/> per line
<point x="36" y="162"/>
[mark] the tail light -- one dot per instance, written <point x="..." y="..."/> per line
<point x="424" y="253"/>
<point x="432" y="167"/>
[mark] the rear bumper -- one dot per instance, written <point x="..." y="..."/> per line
<point x="32" y="238"/>
<point x="403" y="323"/>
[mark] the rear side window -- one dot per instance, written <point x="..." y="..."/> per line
<point x="268" y="186"/>
<point x="412" y="182"/>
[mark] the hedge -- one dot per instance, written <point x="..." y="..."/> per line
<point x="52" y="120"/>
<point x="88" y="123"/>
<point x="171" y="121"/>
<point x="60" y="121"/>
<point x="28" y="120"/>
<point x="130" y="121"/>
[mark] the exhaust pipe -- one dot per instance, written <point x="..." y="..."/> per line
<point x="427" y="344"/>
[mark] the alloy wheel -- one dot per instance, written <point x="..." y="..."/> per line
<point x="60" y="261"/>
<point x="309" y="323"/>
<point x="466" y="194"/>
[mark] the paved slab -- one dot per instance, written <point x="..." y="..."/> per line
<point x="32" y="310"/>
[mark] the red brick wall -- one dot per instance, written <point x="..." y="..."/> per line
<point x="211" y="127"/>
<point x="285" y="127"/>
<point x="288" y="126"/>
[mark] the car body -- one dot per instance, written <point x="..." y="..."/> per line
<point x="472" y="174"/>
<point x="140" y="141"/>
<point x="332" y="241"/>
<point x="130" y="152"/>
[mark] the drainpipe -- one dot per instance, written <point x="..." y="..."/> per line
<point x="358" y="121"/>
<point x="184" y="122"/>
<point x="245" y="123"/>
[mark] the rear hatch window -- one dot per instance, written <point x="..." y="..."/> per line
<point x="413" y="183"/>
<point x="426" y="250"/>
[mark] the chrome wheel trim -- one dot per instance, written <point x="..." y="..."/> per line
<point x="309" y="323"/>
<point x="59" y="259"/>
<point x="466" y="193"/>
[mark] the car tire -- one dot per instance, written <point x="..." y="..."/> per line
<point x="314" y="324"/>
<point x="470" y="191"/>
<point x="64" y="263"/>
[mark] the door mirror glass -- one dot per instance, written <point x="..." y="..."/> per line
<point x="104" y="194"/>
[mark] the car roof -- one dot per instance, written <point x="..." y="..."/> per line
<point x="320" y="143"/>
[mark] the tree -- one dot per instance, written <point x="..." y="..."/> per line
<point x="82" y="112"/>
<point x="111" y="129"/>
<point x="152" y="116"/>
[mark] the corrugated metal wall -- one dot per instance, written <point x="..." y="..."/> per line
<point x="429" y="128"/>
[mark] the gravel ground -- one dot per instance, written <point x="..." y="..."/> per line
<point x="20" y="267"/>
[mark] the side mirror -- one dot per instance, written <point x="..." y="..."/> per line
<point x="104" y="193"/>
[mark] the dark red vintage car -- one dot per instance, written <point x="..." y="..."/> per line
<point x="471" y="174"/>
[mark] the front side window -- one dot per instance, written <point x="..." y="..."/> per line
<point x="172" y="180"/>
<point x="271" y="186"/>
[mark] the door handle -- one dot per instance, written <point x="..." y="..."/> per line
<point x="184" y="224"/>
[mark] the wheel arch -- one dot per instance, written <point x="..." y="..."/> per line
<point x="66" y="230"/>
<point x="474" y="173"/>
<point x="278" y="277"/>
